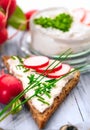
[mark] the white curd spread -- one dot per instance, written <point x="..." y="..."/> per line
<point x="50" y="41"/>
<point x="55" y="91"/>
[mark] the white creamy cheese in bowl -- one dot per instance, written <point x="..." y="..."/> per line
<point x="51" y="41"/>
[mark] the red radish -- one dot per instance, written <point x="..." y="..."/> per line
<point x="5" y="96"/>
<point x="4" y="5"/>
<point x="3" y="36"/>
<point x="64" y="70"/>
<point x="79" y="14"/>
<point x="36" y="62"/>
<point x="2" y="20"/>
<point x="86" y="20"/>
<point x="50" y="69"/>
<point x="28" y="16"/>
<point x="10" y="87"/>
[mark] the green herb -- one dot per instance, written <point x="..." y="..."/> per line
<point x="62" y="22"/>
<point x="26" y="70"/>
<point x="40" y="97"/>
<point x="21" y="66"/>
<point x="38" y="79"/>
<point x="43" y="101"/>
<point x="31" y="78"/>
<point x="44" y="22"/>
<point x="20" y="59"/>
<point x="17" y="57"/>
<point x="15" y="104"/>
<point x="13" y="57"/>
<point x="50" y="80"/>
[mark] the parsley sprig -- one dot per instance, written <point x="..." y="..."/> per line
<point x="62" y="22"/>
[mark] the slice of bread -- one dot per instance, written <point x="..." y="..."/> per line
<point x="42" y="118"/>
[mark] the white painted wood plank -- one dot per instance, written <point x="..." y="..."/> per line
<point x="82" y="95"/>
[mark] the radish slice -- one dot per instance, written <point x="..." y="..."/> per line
<point x="64" y="70"/>
<point x="79" y="14"/>
<point x="50" y="69"/>
<point x="87" y="18"/>
<point x="36" y="62"/>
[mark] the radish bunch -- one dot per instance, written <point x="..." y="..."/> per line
<point x="47" y="67"/>
<point x="3" y="30"/>
<point x="7" y="9"/>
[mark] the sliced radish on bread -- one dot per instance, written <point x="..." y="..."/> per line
<point x="79" y="14"/>
<point x="51" y="67"/>
<point x="36" y="62"/>
<point x="64" y="70"/>
<point x="86" y="20"/>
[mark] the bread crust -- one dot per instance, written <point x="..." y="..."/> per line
<point x="42" y="118"/>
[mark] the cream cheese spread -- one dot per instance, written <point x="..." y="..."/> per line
<point x="55" y="91"/>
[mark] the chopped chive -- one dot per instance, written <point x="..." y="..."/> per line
<point x="43" y="101"/>
<point x="20" y="59"/>
<point x="47" y="93"/>
<point x="40" y="97"/>
<point x="61" y="22"/>
<point x="22" y="67"/>
<point x="50" y="80"/>
<point x="26" y="70"/>
<point x="13" y="57"/>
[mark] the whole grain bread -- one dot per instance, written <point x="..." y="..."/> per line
<point x="42" y="118"/>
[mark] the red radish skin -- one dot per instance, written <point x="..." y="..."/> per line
<point x="36" y="62"/>
<point x="86" y="20"/>
<point x="5" y="96"/>
<point x="28" y="16"/>
<point x="3" y="35"/>
<point x="79" y="14"/>
<point x="50" y="69"/>
<point x="2" y="20"/>
<point x="64" y="70"/>
<point x="4" y="4"/>
<point x="11" y="83"/>
<point x="10" y="87"/>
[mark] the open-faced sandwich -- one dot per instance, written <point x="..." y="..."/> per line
<point x="47" y="82"/>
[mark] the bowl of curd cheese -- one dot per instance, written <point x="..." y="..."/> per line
<point x="56" y="30"/>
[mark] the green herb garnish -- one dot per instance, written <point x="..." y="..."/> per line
<point x="13" y="57"/>
<point x="62" y="22"/>
<point x="20" y="59"/>
<point x="21" y="67"/>
<point x="43" y="101"/>
<point x="17" y="57"/>
<point x="15" y="104"/>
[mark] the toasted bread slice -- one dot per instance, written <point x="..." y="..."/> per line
<point x="42" y="118"/>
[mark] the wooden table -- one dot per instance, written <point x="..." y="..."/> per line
<point x="74" y="110"/>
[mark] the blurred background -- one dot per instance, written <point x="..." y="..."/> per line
<point x="41" y="4"/>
